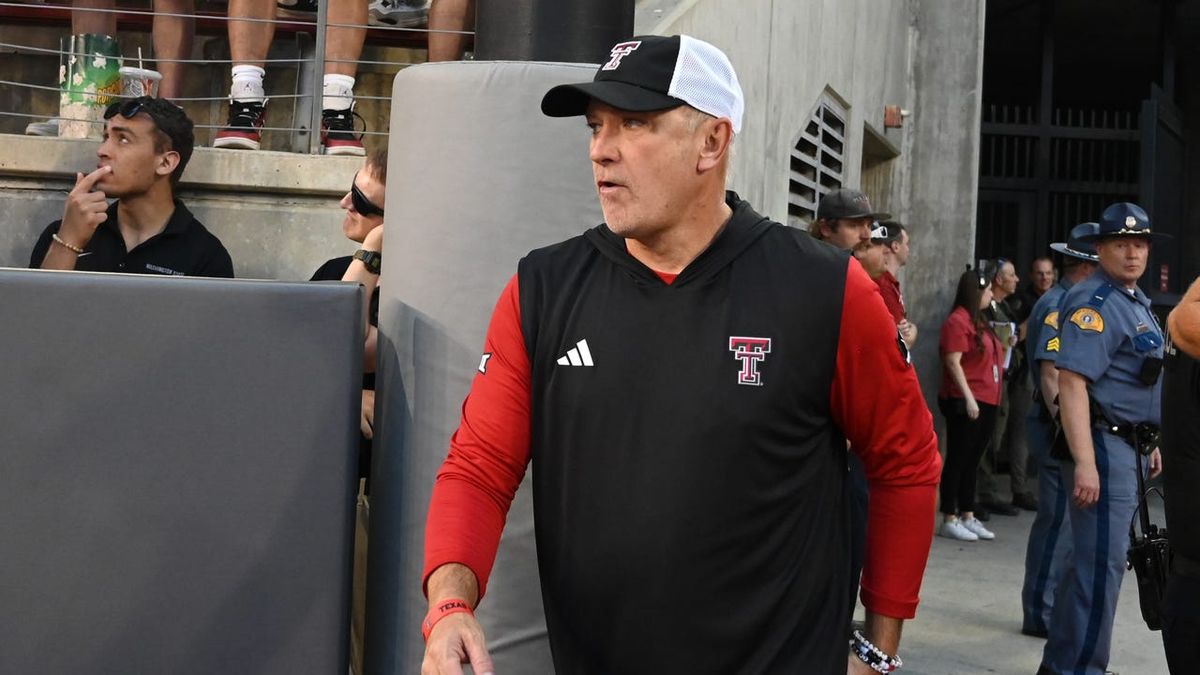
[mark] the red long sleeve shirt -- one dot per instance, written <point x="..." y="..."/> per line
<point x="875" y="398"/>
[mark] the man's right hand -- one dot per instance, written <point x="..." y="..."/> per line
<point x="1087" y="485"/>
<point x="85" y="209"/>
<point x="455" y="640"/>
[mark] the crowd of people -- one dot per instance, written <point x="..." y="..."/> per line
<point x="251" y="29"/>
<point x="806" y="445"/>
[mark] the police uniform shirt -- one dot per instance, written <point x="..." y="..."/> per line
<point x="1107" y="332"/>
<point x="1041" y="337"/>
<point x="183" y="248"/>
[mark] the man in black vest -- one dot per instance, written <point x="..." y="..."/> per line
<point x="1181" y="475"/>
<point x="147" y="230"/>
<point x="684" y="378"/>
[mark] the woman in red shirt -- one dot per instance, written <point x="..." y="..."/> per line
<point x="972" y="374"/>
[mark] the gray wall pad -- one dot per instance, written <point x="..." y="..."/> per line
<point x="177" y="474"/>
<point x="478" y="177"/>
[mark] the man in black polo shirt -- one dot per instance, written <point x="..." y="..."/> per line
<point x="1181" y="475"/>
<point x="147" y="143"/>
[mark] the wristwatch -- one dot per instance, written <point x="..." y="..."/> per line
<point x="372" y="259"/>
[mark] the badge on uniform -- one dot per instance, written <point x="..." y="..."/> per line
<point x="1088" y="319"/>
<point x="1053" y="344"/>
<point x="1052" y="319"/>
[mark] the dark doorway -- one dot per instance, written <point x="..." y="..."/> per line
<point x="1082" y="109"/>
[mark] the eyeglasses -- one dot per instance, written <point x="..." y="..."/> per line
<point x="131" y="107"/>
<point x="360" y="202"/>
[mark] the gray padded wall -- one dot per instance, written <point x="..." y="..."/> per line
<point x="477" y="178"/>
<point x="177" y="474"/>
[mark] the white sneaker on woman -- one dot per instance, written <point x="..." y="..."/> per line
<point x="977" y="528"/>
<point x="954" y="529"/>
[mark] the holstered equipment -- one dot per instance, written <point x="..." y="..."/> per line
<point x="1149" y="554"/>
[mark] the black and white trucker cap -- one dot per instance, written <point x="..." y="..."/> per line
<point x="652" y="72"/>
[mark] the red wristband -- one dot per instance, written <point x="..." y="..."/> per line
<point x="442" y="610"/>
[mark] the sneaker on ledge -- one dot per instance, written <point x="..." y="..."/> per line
<point x="299" y="9"/>
<point x="398" y="13"/>
<point x="47" y="128"/>
<point x="244" y="130"/>
<point x="338" y="135"/>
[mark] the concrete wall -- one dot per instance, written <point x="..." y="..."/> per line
<point x="923" y="55"/>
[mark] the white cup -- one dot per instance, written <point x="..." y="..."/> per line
<point x="137" y="82"/>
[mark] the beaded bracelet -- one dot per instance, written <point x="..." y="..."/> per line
<point x="72" y="247"/>
<point x="442" y="610"/>
<point x="873" y="656"/>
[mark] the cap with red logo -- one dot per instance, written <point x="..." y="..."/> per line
<point x="653" y="72"/>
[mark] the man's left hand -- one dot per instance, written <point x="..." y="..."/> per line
<point x="1155" y="463"/>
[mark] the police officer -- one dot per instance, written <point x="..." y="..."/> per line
<point x="1181" y="449"/>
<point x="1048" y="546"/>
<point x="1109" y="362"/>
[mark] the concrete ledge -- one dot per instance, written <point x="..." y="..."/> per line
<point x="243" y="171"/>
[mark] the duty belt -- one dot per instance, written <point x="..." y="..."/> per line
<point x="1141" y="436"/>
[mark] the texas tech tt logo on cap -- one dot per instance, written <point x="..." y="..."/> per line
<point x="619" y="52"/>
<point x="750" y="350"/>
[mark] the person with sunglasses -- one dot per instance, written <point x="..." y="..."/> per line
<point x="363" y="224"/>
<point x="147" y="229"/>
<point x="1004" y="280"/>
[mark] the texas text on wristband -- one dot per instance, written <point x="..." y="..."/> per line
<point x="442" y="610"/>
<point x="873" y="656"/>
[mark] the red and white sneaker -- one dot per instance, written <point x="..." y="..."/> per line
<point x="245" y="126"/>
<point x="338" y="135"/>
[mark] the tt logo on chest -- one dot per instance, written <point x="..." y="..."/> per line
<point x="750" y="351"/>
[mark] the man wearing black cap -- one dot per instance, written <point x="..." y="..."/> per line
<point x="687" y="424"/>
<point x="1109" y="361"/>
<point x="1181" y="456"/>
<point x="1046" y="552"/>
<point x="845" y="218"/>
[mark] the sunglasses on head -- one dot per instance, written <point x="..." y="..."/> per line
<point x="360" y="202"/>
<point x="131" y="107"/>
<point x="878" y="231"/>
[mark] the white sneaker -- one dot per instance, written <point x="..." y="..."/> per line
<point x="398" y="13"/>
<point x="977" y="528"/>
<point x="47" y="128"/>
<point x="953" y="529"/>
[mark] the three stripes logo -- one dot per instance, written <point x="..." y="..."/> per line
<point x="579" y="355"/>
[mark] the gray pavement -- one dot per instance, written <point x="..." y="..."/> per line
<point x="969" y="620"/>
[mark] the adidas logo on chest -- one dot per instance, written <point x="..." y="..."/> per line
<point x="577" y="356"/>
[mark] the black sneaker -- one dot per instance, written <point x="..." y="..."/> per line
<point x="297" y="9"/>
<point x="245" y="126"/>
<point x="338" y="134"/>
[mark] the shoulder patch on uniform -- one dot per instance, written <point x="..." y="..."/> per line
<point x="1088" y="319"/>
<point x="1052" y="319"/>
<point x="1052" y="345"/>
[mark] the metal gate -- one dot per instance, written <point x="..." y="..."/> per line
<point x="1036" y="181"/>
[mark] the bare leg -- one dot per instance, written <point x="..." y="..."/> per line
<point x="449" y="15"/>
<point x="345" y="44"/>
<point x="100" y="23"/>
<point x="173" y="40"/>
<point x="250" y="41"/>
